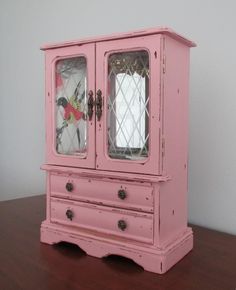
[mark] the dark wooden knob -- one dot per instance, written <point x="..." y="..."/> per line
<point x="69" y="186"/>
<point x="69" y="214"/>
<point x="122" y="194"/>
<point x="122" y="225"/>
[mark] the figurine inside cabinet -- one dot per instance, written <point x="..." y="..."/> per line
<point x="117" y="146"/>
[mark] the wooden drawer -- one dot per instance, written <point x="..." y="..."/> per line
<point x="124" y="223"/>
<point x="116" y="193"/>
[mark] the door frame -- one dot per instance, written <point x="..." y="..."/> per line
<point x="51" y="57"/>
<point x="152" y="44"/>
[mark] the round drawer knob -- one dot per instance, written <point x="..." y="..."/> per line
<point x="69" y="214"/>
<point x="122" y="225"/>
<point x="122" y="194"/>
<point x="69" y="186"/>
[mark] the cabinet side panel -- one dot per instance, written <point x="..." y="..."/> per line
<point x="173" y="193"/>
<point x="48" y="106"/>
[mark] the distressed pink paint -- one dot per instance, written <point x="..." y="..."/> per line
<point x="94" y="190"/>
<point x="153" y="212"/>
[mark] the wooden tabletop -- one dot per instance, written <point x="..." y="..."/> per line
<point x="27" y="264"/>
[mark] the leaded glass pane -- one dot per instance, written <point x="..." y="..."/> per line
<point x="71" y="104"/>
<point x="128" y="105"/>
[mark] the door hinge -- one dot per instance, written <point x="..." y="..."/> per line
<point x="163" y="55"/>
<point x="163" y="147"/>
<point x="164" y="64"/>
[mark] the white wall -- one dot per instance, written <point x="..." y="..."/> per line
<point x="25" y="25"/>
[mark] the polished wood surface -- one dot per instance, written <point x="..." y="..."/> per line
<point x="27" y="264"/>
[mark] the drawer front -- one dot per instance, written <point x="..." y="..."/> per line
<point x="136" y="196"/>
<point x="123" y="223"/>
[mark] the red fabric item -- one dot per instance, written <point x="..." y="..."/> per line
<point x="70" y="109"/>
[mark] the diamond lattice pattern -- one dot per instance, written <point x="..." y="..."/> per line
<point x="71" y="126"/>
<point x="128" y="103"/>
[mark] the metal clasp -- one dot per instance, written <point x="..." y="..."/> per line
<point x="99" y="104"/>
<point x="90" y="105"/>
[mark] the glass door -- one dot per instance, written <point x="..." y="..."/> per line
<point x="128" y="81"/>
<point x="71" y="74"/>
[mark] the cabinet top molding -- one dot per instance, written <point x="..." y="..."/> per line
<point x="150" y="31"/>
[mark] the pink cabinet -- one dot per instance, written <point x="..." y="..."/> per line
<point x="116" y="146"/>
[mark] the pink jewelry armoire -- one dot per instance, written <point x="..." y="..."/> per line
<point x="117" y="146"/>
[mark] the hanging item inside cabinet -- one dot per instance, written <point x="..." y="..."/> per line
<point x="117" y="146"/>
